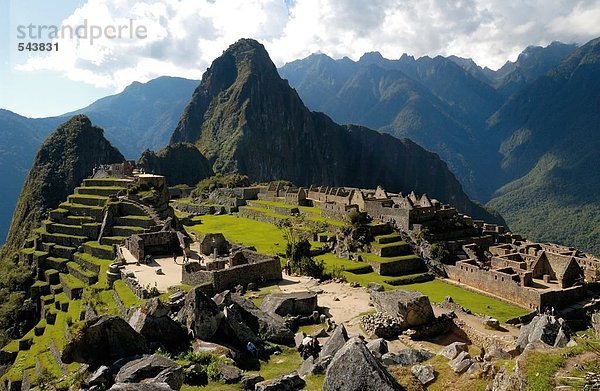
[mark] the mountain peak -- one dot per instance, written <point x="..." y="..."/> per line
<point x="244" y="118"/>
<point x="371" y="58"/>
<point x="67" y="156"/>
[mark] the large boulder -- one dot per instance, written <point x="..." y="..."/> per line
<point x="454" y="349"/>
<point x="140" y="387"/>
<point x="104" y="340"/>
<point x="270" y="327"/>
<point x="354" y="368"/>
<point x="461" y="363"/>
<point x="378" y="347"/>
<point x="296" y="303"/>
<point x="545" y="328"/>
<point x="406" y="356"/>
<point x="236" y="330"/>
<point x="338" y="339"/>
<point x="411" y="308"/>
<point x="596" y="323"/>
<point x="152" y="369"/>
<point x="289" y="382"/>
<point x="200" y="314"/>
<point x="200" y="347"/>
<point x="153" y="322"/>
<point x="424" y="373"/>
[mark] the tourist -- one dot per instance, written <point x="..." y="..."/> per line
<point x="252" y="349"/>
<point x="306" y="348"/>
<point x="481" y="354"/>
<point x="288" y="268"/>
<point x="315" y="347"/>
<point x="174" y="257"/>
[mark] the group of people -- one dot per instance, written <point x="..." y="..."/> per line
<point x="310" y="346"/>
<point x="545" y="311"/>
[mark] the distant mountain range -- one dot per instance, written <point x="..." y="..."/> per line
<point x="141" y="117"/>
<point x="522" y="138"/>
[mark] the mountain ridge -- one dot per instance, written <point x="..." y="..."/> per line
<point x="245" y="118"/>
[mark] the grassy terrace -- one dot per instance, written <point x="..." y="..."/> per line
<point x="264" y="236"/>
<point x="128" y="298"/>
<point x="312" y="212"/>
<point x="377" y="258"/>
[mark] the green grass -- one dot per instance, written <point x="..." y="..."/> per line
<point x="540" y="368"/>
<point x="288" y="361"/>
<point x="128" y="298"/>
<point x="103" y="263"/>
<point x="259" y="296"/>
<point x="311" y="212"/>
<point x="377" y="258"/>
<point x="172" y="289"/>
<point x="331" y="261"/>
<point x="71" y="281"/>
<point x="264" y="236"/>
<point x="314" y="382"/>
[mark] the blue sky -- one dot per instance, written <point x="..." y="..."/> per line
<point x="184" y="36"/>
<point x="40" y="93"/>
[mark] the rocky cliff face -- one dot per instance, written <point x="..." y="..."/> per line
<point x="244" y="118"/>
<point x="181" y="163"/>
<point x="67" y="156"/>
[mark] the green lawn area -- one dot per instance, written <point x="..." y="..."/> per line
<point x="312" y="212"/>
<point x="128" y="298"/>
<point x="264" y="236"/>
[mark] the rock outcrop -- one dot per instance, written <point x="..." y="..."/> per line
<point x="336" y="341"/>
<point x="180" y="163"/>
<point x="104" y="340"/>
<point x="153" y="322"/>
<point x="141" y="387"/>
<point x="200" y="315"/>
<point x="285" y="383"/>
<point x="548" y="329"/>
<point x="454" y="349"/>
<point x="407" y="356"/>
<point x="296" y="303"/>
<point x="411" y="308"/>
<point x="354" y="368"/>
<point x="152" y="369"/>
<point x="424" y="373"/>
<point x="268" y="326"/>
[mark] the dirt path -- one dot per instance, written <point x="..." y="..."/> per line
<point x="346" y="305"/>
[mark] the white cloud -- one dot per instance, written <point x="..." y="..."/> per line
<point x="184" y="36"/>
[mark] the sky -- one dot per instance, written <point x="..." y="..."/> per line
<point x="182" y="37"/>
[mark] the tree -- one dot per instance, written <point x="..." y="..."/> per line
<point x="294" y="234"/>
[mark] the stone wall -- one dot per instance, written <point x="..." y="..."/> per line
<point x="408" y="266"/>
<point x="197" y="208"/>
<point x="259" y="268"/>
<point x="502" y="285"/>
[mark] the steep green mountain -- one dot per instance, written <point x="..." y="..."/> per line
<point x="20" y="137"/>
<point x="181" y="163"/>
<point x="432" y="101"/>
<point x="244" y="118"/>
<point x="141" y="117"/>
<point x="67" y="156"/>
<point x="549" y="136"/>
